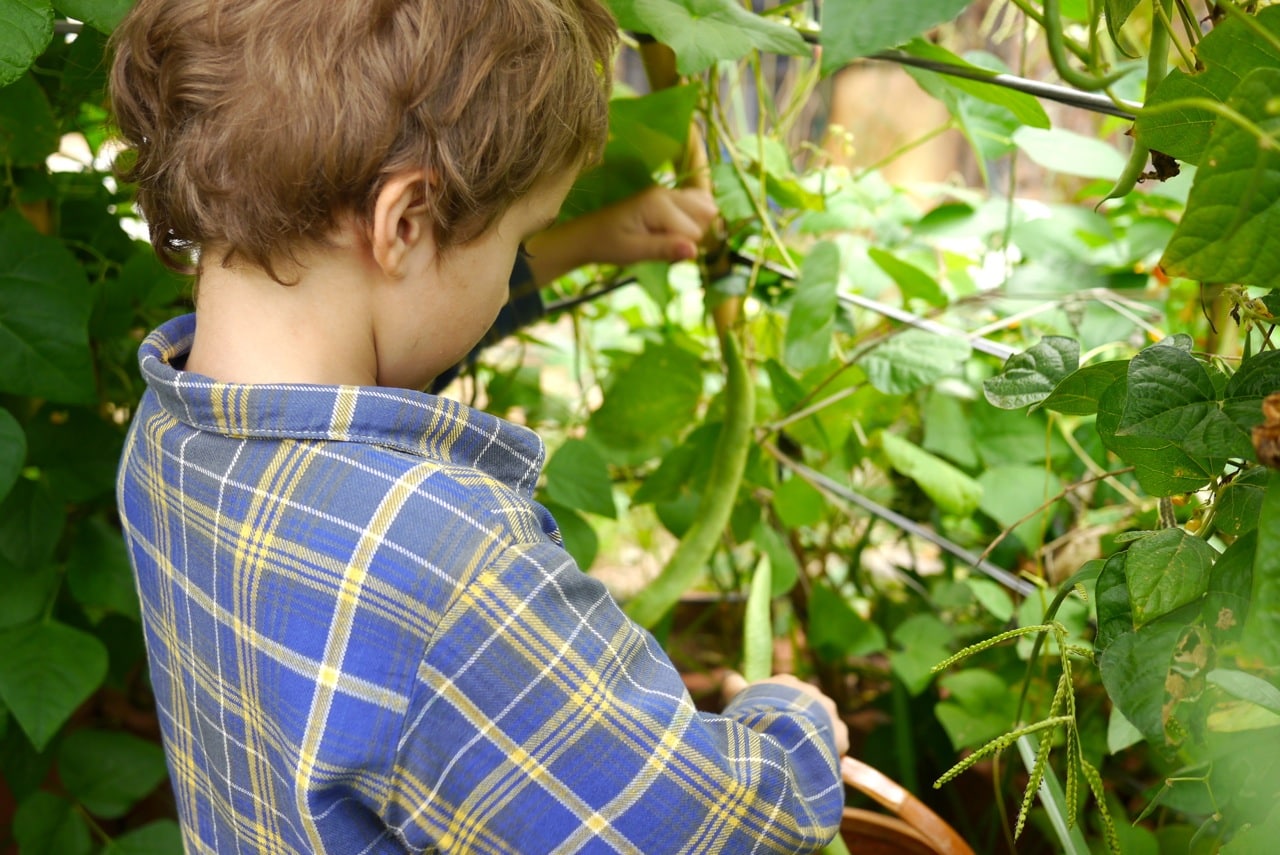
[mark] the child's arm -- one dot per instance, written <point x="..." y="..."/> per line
<point x="548" y="721"/>
<point x="656" y="224"/>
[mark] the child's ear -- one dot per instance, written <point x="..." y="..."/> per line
<point x="400" y="221"/>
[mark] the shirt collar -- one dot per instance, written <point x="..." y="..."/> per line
<point x="414" y="422"/>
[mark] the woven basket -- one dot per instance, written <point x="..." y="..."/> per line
<point x="910" y="827"/>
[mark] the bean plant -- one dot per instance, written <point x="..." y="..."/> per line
<point x="994" y="463"/>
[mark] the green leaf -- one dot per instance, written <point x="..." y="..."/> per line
<point x="912" y="282"/>
<point x="1010" y="493"/>
<point x="1111" y="594"/>
<point x="988" y="127"/>
<point x="48" y="825"/>
<point x="993" y="597"/>
<point x="26" y="593"/>
<point x="1117" y="12"/>
<point x="109" y="771"/>
<point x="980" y="707"/>
<point x="13" y="451"/>
<point x="854" y="28"/>
<point x="46" y="671"/>
<point x="648" y="404"/>
<point x="813" y="312"/>
<point x="28" y="127"/>
<point x="1161" y="467"/>
<point x="1134" y="668"/>
<point x="1226" y="603"/>
<point x="652" y="129"/>
<point x="948" y="430"/>
<point x="162" y="837"/>
<point x="1025" y="108"/>
<point x="798" y="503"/>
<point x="1172" y="396"/>
<point x="77" y="451"/>
<point x="44" y="316"/>
<point x="1079" y="392"/>
<point x="1165" y="571"/>
<point x="952" y="490"/>
<point x="1229" y="53"/>
<point x="1227" y="232"/>
<point x="836" y="631"/>
<point x="913" y="360"/>
<point x="1069" y="153"/>
<point x="1240" y="502"/>
<point x="580" y="539"/>
<point x="578" y="477"/>
<point x="703" y="32"/>
<point x="31" y="523"/>
<point x="1246" y="687"/>
<point x="1031" y="376"/>
<point x="1260" y="636"/>
<point x="99" y="573"/>
<point x="102" y="15"/>
<point x="26" y="27"/>
<point x="923" y="641"/>
<point x="786" y="571"/>
<point x="1258" y="377"/>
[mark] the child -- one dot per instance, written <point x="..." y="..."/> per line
<point x="364" y="635"/>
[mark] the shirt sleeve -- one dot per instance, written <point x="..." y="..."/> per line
<point x="548" y="721"/>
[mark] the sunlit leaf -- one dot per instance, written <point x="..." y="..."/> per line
<point x="952" y="490"/>
<point x="913" y="360"/>
<point x="578" y="477"/>
<point x="702" y="32"/>
<point x="1229" y="53"/>
<point x="1228" y="231"/>
<point x="1165" y="571"/>
<point x="812" y="317"/>
<point x="854" y="28"/>
<point x="26" y="26"/>
<point x="1031" y="376"/>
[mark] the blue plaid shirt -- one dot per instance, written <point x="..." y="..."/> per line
<point x="365" y="636"/>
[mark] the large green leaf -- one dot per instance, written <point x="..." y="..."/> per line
<point x="1233" y="213"/>
<point x="1240" y="502"/>
<point x="1261" y="635"/>
<point x="578" y="477"/>
<point x="1134" y="668"/>
<point x="109" y="771"/>
<point x="1025" y="108"/>
<point x="99" y="574"/>
<point x="836" y="630"/>
<point x="1011" y="496"/>
<point x="979" y="707"/>
<point x="46" y="671"/>
<point x="13" y="451"/>
<point x="913" y="283"/>
<point x="1165" y="571"/>
<point x="28" y="128"/>
<point x="650" y="403"/>
<point x="1079" y="392"/>
<point x="913" y="360"/>
<point x="580" y="539"/>
<point x="854" y="28"/>
<point x="31" y="523"/>
<point x="77" y="451"/>
<point x="1229" y="53"/>
<point x="952" y="490"/>
<point x="703" y="32"/>
<point x="46" y="824"/>
<point x="988" y="127"/>
<point x="1117" y="12"/>
<point x="45" y="303"/>
<point x="1069" y="153"/>
<point x="813" y="312"/>
<point x="26" y="592"/>
<point x="162" y="837"/>
<point x="26" y="26"/>
<point x="102" y="15"/>
<point x="1226" y="602"/>
<point x="1161" y="467"/>
<point x="1031" y="376"/>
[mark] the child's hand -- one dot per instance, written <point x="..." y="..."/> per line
<point x="656" y="224"/>
<point x="735" y="683"/>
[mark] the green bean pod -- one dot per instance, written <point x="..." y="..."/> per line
<point x="1157" y="68"/>
<point x="1057" y="42"/>
<point x="757" y="630"/>
<point x="689" y="561"/>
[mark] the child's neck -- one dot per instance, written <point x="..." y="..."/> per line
<point x="252" y="329"/>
